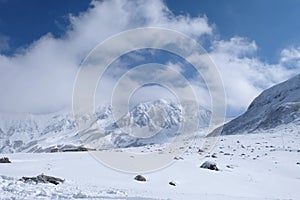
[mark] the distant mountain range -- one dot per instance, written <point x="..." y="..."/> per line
<point x="276" y="106"/>
<point x="39" y="133"/>
<point x="147" y="123"/>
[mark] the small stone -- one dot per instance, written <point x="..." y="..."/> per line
<point x="140" y="178"/>
<point x="298" y="163"/>
<point x="178" y="158"/>
<point x="172" y="183"/>
<point x="200" y="151"/>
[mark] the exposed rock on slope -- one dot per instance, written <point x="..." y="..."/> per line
<point x="275" y="106"/>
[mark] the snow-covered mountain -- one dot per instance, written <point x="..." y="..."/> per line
<point x="37" y="133"/>
<point x="278" y="105"/>
<point x="154" y="122"/>
<point x="21" y="132"/>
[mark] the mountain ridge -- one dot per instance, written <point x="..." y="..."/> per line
<point x="36" y="133"/>
<point x="280" y="104"/>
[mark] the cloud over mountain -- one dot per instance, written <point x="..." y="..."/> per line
<point x="40" y="77"/>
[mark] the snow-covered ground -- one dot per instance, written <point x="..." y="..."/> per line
<point x="252" y="166"/>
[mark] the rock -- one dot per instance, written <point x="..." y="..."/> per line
<point x="298" y="163"/>
<point x="55" y="150"/>
<point x="71" y="149"/>
<point x="229" y="166"/>
<point x="209" y="165"/>
<point x="214" y="155"/>
<point x="78" y="149"/>
<point x="178" y="158"/>
<point x="200" y="151"/>
<point x="140" y="178"/>
<point x="173" y="183"/>
<point x="43" y="179"/>
<point x="4" y="160"/>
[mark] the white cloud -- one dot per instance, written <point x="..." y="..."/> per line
<point x="236" y="46"/>
<point x="291" y="57"/>
<point x="40" y="77"/>
<point x="244" y="75"/>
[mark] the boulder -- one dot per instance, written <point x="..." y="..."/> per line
<point x="209" y="165"/>
<point x="4" y="160"/>
<point x="42" y="179"/>
<point x="173" y="183"/>
<point x="140" y="178"/>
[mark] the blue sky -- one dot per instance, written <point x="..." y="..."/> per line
<point x="255" y="44"/>
<point x="272" y="24"/>
<point x="24" y="22"/>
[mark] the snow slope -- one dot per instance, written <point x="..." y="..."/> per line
<point x="252" y="166"/>
<point x="275" y="106"/>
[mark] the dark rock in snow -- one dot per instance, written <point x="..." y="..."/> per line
<point x="140" y="178"/>
<point x="172" y="183"/>
<point x="209" y="165"/>
<point x="229" y="166"/>
<point x="42" y="179"/>
<point x="178" y="158"/>
<point x="214" y="155"/>
<point x="71" y="149"/>
<point x="200" y="151"/>
<point x="4" y="160"/>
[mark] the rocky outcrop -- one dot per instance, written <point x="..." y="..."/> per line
<point x="42" y="179"/>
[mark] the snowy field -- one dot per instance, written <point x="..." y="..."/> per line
<point x="253" y="166"/>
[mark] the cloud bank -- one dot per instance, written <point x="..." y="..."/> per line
<point x="40" y="77"/>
